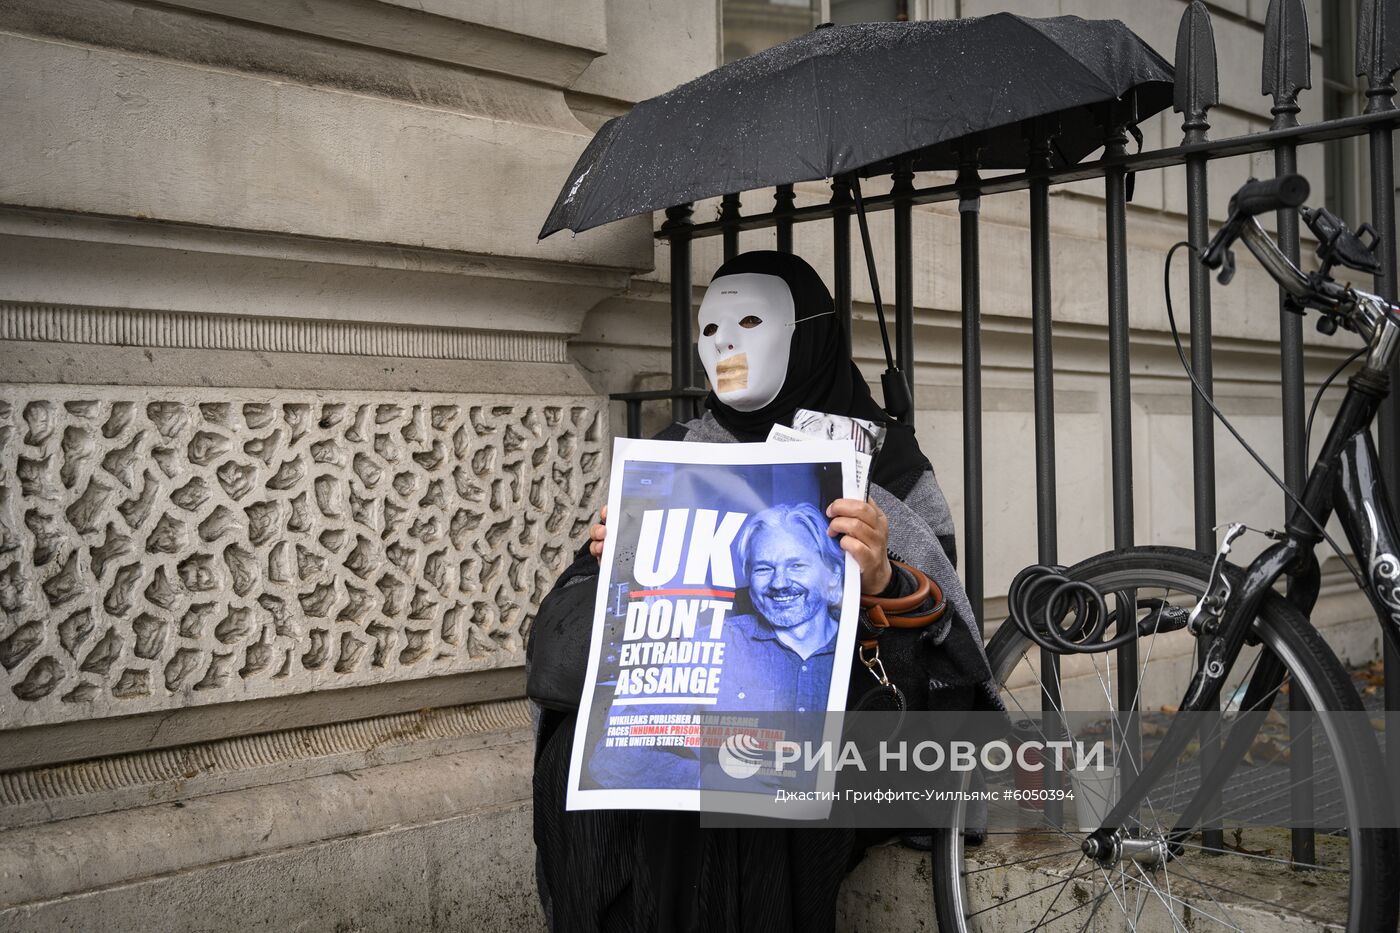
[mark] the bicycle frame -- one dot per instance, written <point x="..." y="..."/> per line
<point x="1344" y="480"/>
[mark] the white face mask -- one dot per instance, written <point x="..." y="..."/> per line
<point x="746" y="323"/>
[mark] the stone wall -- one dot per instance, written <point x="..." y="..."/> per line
<point x="292" y="444"/>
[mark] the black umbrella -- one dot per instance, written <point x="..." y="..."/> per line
<point x="841" y="99"/>
<point x="849" y="100"/>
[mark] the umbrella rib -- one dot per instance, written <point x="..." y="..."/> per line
<point x="1043" y="38"/>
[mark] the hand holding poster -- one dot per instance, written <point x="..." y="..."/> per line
<point x="725" y="622"/>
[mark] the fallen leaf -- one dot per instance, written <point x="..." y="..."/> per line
<point x="1240" y="847"/>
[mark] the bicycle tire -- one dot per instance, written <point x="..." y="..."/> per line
<point x="1374" y="880"/>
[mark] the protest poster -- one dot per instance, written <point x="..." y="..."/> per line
<point x="725" y="623"/>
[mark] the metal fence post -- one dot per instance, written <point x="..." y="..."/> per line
<point x="1286" y="71"/>
<point x="1197" y="90"/>
<point x="1043" y="377"/>
<point x="682" y="340"/>
<point x="904" y="280"/>
<point x="969" y="209"/>
<point x="1121" y="420"/>
<point x="783" y="202"/>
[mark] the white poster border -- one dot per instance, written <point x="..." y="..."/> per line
<point x="629" y="450"/>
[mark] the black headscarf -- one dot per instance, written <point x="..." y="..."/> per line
<point x="821" y="376"/>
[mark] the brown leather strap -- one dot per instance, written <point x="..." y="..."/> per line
<point x="891" y="612"/>
<point x="923" y="586"/>
<point x="879" y="618"/>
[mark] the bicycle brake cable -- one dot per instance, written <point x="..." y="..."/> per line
<point x="1317" y="399"/>
<point x="1205" y="397"/>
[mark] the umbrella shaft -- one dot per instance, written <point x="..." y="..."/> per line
<point x="870" y="267"/>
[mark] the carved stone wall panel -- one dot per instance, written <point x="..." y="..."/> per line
<point x="167" y="547"/>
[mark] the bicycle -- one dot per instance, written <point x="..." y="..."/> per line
<point x="1224" y="631"/>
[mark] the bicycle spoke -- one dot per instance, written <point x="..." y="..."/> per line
<point x="1167" y="879"/>
<point x="1278" y="792"/>
<point x="1194" y="907"/>
<point x="1249" y="897"/>
<point x="1062" y="882"/>
<point x="1274" y="792"/>
<point x="1143" y="901"/>
<point x="1108" y="880"/>
<point x="1262" y="858"/>
<point x="1033" y="858"/>
<point x="1108" y="693"/>
<point x="1051" y="905"/>
<point x="1249" y="675"/>
<point x="1077" y="839"/>
<point x="1105" y="680"/>
<point x="1142" y="668"/>
<point x="1065" y="913"/>
<point x="1098" y="902"/>
<point x="1042" y="734"/>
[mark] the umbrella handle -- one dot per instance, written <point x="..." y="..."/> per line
<point x="892" y="382"/>
<point x="896" y="390"/>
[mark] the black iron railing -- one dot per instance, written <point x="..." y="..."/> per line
<point x="684" y="405"/>
<point x="1285" y="74"/>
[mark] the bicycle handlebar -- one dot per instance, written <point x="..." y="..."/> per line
<point x="1279" y="266"/>
<point x="1271" y="194"/>
<point x="1357" y="310"/>
<point x="1254" y="197"/>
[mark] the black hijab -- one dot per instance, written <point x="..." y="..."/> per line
<point x="821" y="376"/>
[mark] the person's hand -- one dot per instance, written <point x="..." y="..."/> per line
<point x="865" y="536"/>
<point x="597" y="533"/>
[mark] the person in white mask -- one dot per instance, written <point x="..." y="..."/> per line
<point x="770" y="343"/>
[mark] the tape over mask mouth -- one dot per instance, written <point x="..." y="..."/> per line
<point x="732" y="374"/>
<point x="745" y="343"/>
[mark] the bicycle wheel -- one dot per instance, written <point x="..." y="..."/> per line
<point x="1046" y="881"/>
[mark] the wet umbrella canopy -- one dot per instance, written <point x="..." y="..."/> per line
<point x="851" y="98"/>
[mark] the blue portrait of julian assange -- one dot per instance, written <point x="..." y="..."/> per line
<point x="780" y="656"/>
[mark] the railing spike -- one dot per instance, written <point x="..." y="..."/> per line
<point x="1197" y="81"/>
<point x="1287" y="58"/>
<point x="1378" y="50"/>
